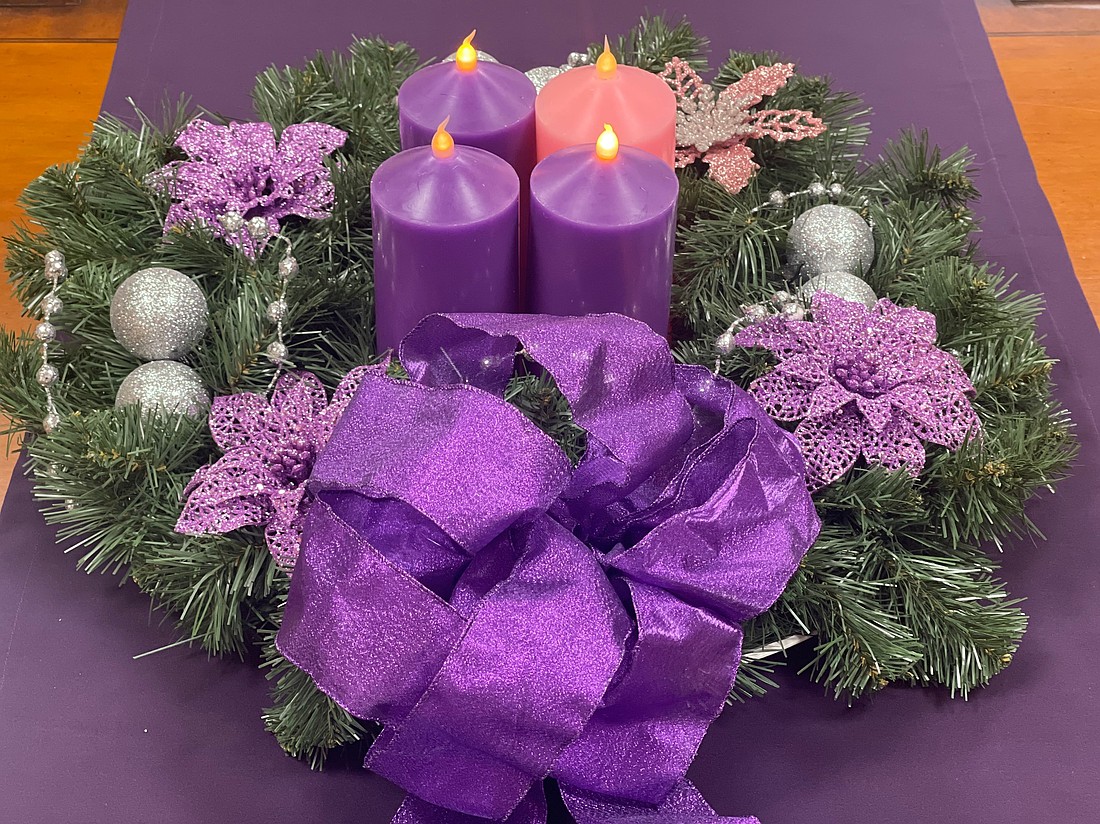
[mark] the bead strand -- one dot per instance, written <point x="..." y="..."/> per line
<point x="46" y="333"/>
<point x="277" y="310"/>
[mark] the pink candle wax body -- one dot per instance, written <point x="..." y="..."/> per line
<point x="446" y="235"/>
<point x="572" y="108"/>
<point x="602" y="235"/>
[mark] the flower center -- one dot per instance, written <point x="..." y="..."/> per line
<point x="292" y="460"/>
<point x="857" y="374"/>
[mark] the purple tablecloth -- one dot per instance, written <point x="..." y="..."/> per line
<point x="87" y="734"/>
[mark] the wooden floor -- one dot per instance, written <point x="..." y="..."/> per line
<point x="54" y="66"/>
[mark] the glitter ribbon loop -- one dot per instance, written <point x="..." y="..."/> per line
<point x="510" y="618"/>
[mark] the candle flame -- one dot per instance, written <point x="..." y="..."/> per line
<point x="443" y="145"/>
<point x="606" y="63"/>
<point x="607" y="144"/>
<point x="466" y="56"/>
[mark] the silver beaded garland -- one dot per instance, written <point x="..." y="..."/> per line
<point x="45" y="331"/>
<point x="841" y="284"/>
<point x="288" y="268"/>
<point x="164" y="386"/>
<point x="46" y="375"/>
<point x="257" y="228"/>
<point x="232" y="222"/>
<point x="276" y="310"/>
<point x="159" y="314"/>
<point x="53" y="264"/>
<point x="829" y="238"/>
<point x="277" y="352"/>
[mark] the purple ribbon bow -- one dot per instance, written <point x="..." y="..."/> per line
<point x="510" y="618"/>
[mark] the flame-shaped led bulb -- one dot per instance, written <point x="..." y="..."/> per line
<point x="606" y="63"/>
<point x="443" y="145"/>
<point x="466" y="55"/>
<point x="607" y="144"/>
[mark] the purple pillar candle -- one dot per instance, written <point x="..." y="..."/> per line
<point x="446" y="234"/>
<point x="603" y="221"/>
<point x="490" y="106"/>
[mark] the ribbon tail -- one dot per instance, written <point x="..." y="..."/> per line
<point x="532" y="810"/>
<point x="683" y="805"/>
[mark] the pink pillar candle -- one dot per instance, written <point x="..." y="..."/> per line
<point x="446" y="235"/>
<point x="572" y="108"/>
<point x="603" y="221"/>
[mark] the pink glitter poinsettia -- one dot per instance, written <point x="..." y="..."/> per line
<point x="862" y="381"/>
<point x="269" y="451"/>
<point x="239" y="170"/>
<point x="716" y="127"/>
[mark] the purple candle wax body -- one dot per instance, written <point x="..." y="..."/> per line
<point x="602" y="235"/>
<point x="446" y="235"/>
<point x="490" y="106"/>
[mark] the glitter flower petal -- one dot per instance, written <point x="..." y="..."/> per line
<point x="269" y="448"/>
<point x="862" y="381"/>
<point x="715" y="127"/>
<point x="240" y="169"/>
<point x="236" y="420"/>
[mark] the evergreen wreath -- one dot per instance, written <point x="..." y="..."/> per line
<point x="900" y="586"/>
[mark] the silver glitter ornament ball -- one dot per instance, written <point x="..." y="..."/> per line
<point x="164" y="386"/>
<point x="841" y="284"/>
<point x="541" y="75"/>
<point x="159" y="314"/>
<point x="484" y="57"/>
<point x="830" y="238"/>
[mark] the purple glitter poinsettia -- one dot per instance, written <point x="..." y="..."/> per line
<point x="269" y="450"/>
<point x="862" y="381"/>
<point x="239" y="170"/>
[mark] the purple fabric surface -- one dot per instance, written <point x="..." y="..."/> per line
<point x="73" y="706"/>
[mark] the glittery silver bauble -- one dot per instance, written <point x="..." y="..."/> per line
<point x="578" y="59"/>
<point x="51" y="422"/>
<point x="817" y="189"/>
<point x="836" y="190"/>
<point x="164" y="386"/>
<point x="485" y="57"/>
<point x="51" y="304"/>
<point x="541" y="75"/>
<point x="288" y="268"/>
<point x="159" y="313"/>
<point x="829" y="238"/>
<point x="841" y="284"/>
<point x="45" y="331"/>
<point x="777" y="198"/>
<point x="46" y="375"/>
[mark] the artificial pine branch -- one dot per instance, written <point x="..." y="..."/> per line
<point x="896" y="590"/>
